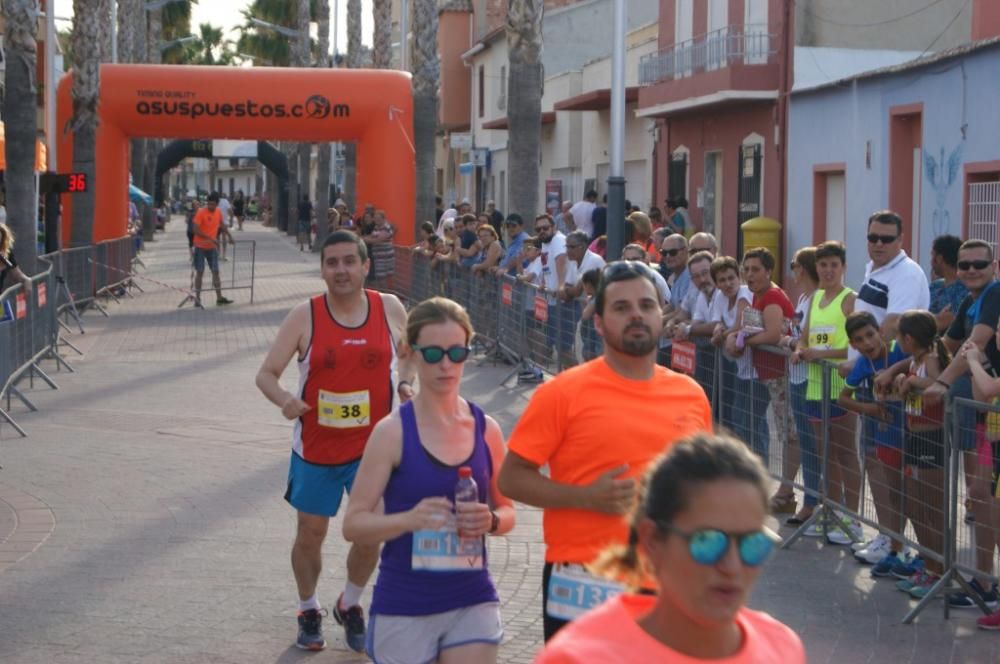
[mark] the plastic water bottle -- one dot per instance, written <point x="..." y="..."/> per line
<point x="466" y="491"/>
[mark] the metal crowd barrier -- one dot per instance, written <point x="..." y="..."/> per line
<point x="788" y="415"/>
<point x="30" y="327"/>
<point x="28" y="332"/>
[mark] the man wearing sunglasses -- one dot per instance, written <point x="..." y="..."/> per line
<point x="346" y="343"/>
<point x="894" y="282"/>
<point x="591" y="427"/>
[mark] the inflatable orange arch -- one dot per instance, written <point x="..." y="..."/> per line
<point x="372" y="107"/>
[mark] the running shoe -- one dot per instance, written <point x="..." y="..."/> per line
<point x="530" y="377"/>
<point x="990" y="622"/>
<point x="873" y="554"/>
<point x="907" y="567"/>
<point x="837" y="535"/>
<point x="818" y="526"/>
<point x="222" y="301"/>
<point x="353" y="621"/>
<point x="915" y="580"/>
<point x="883" y="568"/>
<point x="857" y="546"/>
<point x="923" y="585"/>
<point x="311" y="630"/>
<point x="962" y="600"/>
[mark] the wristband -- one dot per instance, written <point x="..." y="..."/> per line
<point x="941" y="382"/>
<point x="494" y="522"/>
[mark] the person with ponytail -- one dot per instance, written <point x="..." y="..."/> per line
<point x="698" y="529"/>
<point x="923" y="446"/>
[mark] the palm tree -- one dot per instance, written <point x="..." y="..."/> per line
<point x="354" y="62"/>
<point x="524" y="102"/>
<point x="426" y="79"/>
<point x="176" y="24"/>
<point x="323" y="167"/>
<point x="382" y="36"/>
<point x="211" y="48"/>
<point x="21" y="116"/>
<point x="87" y="22"/>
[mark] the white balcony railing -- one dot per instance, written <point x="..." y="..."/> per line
<point x="745" y="44"/>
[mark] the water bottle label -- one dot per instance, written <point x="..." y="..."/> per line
<point x="444" y="551"/>
<point x="573" y="591"/>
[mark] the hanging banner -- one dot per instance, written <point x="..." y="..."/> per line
<point x="541" y="309"/>
<point x="682" y="357"/>
<point x="507" y="295"/>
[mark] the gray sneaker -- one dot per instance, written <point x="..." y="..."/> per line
<point x="353" y="620"/>
<point x="311" y="630"/>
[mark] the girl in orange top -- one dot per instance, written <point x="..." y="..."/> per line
<point x="700" y="527"/>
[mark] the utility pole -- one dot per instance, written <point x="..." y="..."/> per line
<point x="616" y="167"/>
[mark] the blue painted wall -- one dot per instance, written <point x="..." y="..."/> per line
<point x="961" y="124"/>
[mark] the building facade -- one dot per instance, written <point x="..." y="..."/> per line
<point x="718" y="88"/>
<point x="919" y="138"/>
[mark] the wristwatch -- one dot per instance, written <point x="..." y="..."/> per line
<point x="495" y="522"/>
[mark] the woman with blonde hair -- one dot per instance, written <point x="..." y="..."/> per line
<point x="699" y="530"/>
<point x="8" y="264"/>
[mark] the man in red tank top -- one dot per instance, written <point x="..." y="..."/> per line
<point x="350" y="377"/>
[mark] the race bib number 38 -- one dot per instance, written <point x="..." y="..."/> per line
<point x="343" y="410"/>
<point x="573" y="591"/>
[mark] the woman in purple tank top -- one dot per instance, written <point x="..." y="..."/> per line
<point x="434" y="600"/>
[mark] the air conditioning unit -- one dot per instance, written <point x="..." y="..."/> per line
<point x="502" y="102"/>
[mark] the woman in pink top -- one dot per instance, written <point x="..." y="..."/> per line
<point x="699" y="527"/>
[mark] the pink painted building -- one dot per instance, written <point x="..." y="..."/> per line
<point x="719" y="88"/>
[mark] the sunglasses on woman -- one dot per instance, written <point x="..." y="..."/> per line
<point x="434" y="354"/>
<point x="708" y="546"/>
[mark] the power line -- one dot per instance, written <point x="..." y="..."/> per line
<point x="824" y="19"/>
<point x="941" y="34"/>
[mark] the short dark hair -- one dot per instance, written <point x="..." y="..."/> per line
<point x="947" y="246"/>
<point x="764" y="255"/>
<point x="213" y="197"/>
<point x="681" y="202"/>
<point x="466" y="218"/>
<point x="344" y="237"/>
<point x="545" y="215"/>
<point x="723" y="263"/>
<point x="621" y="271"/>
<point x="857" y="320"/>
<point x="590" y="194"/>
<point x="978" y="244"/>
<point x="437" y="200"/>
<point x="427" y="227"/>
<point x="886" y="217"/>
<point x="514" y="218"/>
<point x="832" y="249"/>
<point x="699" y="256"/>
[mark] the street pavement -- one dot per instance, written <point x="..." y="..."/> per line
<point x="143" y="519"/>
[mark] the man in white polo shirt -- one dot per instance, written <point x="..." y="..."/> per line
<point x="894" y="282"/>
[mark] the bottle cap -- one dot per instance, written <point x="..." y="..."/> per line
<point x="465" y="472"/>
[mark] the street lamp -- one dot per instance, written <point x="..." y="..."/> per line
<point x="177" y="42"/>
<point x="280" y="29"/>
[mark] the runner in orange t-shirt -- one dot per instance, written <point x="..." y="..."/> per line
<point x="592" y="426"/>
<point x="699" y="525"/>
<point x="208" y="227"/>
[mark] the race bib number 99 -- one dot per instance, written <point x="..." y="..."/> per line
<point x="573" y="591"/>
<point x="343" y="410"/>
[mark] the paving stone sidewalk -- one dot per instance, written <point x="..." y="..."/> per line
<point x="142" y="520"/>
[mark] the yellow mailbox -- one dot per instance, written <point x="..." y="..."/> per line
<point x="763" y="232"/>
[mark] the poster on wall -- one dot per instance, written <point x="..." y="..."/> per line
<point x="553" y="196"/>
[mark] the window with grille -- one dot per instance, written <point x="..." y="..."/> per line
<point x="984" y="211"/>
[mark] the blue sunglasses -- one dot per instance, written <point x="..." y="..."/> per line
<point x="434" y="354"/>
<point x="708" y="546"/>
